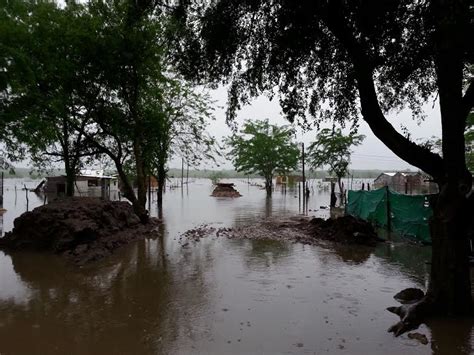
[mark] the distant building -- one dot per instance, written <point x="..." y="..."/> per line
<point x="88" y="182"/>
<point x="288" y="179"/>
<point x="406" y="182"/>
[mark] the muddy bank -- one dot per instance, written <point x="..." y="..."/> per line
<point x="82" y="229"/>
<point x="345" y="230"/>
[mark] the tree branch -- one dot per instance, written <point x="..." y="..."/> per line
<point x="407" y="150"/>
<point x="468" y="99"/>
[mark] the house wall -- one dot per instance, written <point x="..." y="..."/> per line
<point x="406" y="183"/>
<point x="383" y="180"/>
<point x="57" y="185"/>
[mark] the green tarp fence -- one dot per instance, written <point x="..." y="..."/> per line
<point x="409" y="214"/>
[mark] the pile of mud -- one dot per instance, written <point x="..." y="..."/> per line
<point x="83" y="229"/>
<point x="345" y="230"/>
<point x="225" y="190"/>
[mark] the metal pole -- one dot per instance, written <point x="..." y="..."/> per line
<point x="187" y="173"/>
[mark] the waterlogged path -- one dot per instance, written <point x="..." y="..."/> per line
<point x="218" y="296"/>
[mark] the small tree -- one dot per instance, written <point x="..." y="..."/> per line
<point x="264" y="149"/>
<point x="179" y="129"/>
<point x="332" y="148"/>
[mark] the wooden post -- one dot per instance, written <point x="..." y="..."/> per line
<point x="304" y="177"/>
<point x="299" y="195"/>
<point x="27" y="200"/>
<point x="149" y="192"/>
<point x="182" y="172"/>
<point x="389" y="215"/>
<point x="1" y="191"/>
<point x="187" y="174"/>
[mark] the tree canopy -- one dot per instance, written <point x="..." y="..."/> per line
<point x="264" y="149"/>
<point x="333" y="59"/>
<point x="91" y="79"/>
<point x="332" y="148"/>
<point x="343" y="60"/>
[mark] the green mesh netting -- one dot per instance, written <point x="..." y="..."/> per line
<point x="409" y="214"/>
<point x="369" y="205"/>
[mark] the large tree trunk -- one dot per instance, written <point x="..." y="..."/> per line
<point x="268" y="185"/>
<point x="449" y="290"/>
<point x="161" y="184"/>
<point x="129" y="194"/>
<point x="141" y="176"/>
<point x="70" y="180"/>
<point x="450" y="283"/>
<point x="70" y="169"/>
<point x="341" y="190"/>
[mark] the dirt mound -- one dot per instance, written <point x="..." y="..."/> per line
<point x="225" y="190"/>
<point x="81" y="228"/>
<point x="346" y="229"/>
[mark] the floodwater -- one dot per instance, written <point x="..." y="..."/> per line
<point x="217" y="296"/>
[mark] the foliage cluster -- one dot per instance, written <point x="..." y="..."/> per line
<point x="84" y="81"/>
<point x="264" y="149"/>
<point x="332" y="148"/>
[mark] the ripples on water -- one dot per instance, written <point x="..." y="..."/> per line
<point x="216" y="296"/>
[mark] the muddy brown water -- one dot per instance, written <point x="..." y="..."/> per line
<point x="218" y="296"/>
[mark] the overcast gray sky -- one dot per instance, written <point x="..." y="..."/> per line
<point x="372" y="154"/>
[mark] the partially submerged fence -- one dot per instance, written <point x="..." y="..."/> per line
<point x="406" y="215"/>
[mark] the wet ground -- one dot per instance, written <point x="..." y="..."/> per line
<point x="218" y="296"/>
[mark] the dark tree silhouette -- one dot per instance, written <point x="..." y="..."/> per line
<point x="344" y="59"/>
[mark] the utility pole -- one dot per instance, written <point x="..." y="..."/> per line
<point x="302" y="160"/>
<point x="304" y="177"/>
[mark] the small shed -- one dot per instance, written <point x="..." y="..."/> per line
<point x="288" y="179"/>
<point x="407" y="182"/>
<point x="384" y="179"/>
<point x="88" y="182"/>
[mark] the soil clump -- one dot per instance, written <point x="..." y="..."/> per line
<point x="346" y="230"/>
<point x="83" y="229"/>
<point x="225" y="190"/>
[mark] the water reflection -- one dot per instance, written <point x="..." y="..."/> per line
<point x="126" y="305"/>
<point x="351" y="254"/>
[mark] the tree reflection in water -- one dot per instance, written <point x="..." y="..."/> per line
<point x="131" y="303"/>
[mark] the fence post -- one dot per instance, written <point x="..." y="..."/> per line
<point x="1" y="191"/>
<point x="389" y="215"/>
